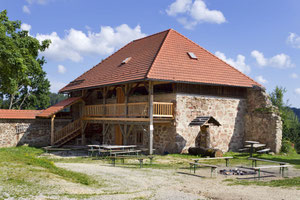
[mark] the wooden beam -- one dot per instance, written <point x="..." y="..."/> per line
<point x="117" y="119"/>
<point x="52" y="130"/>
<point x="151" y="127"/>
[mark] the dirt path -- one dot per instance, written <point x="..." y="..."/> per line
<point x="129" y="183"/>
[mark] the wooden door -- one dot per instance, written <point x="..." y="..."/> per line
<point x="120" y="99"/>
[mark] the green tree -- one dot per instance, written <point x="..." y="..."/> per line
<point x="23" y="82"/>
<point x="290" y="122"/>
<point x="55" y="98"/>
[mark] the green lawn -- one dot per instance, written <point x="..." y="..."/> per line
<point x="22" y="173"/>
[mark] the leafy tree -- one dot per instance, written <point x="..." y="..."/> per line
<point x="23" y="82"/>
<point x="55" y="98"/>
<point x="291" y="125"/>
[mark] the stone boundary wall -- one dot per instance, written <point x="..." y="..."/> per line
<point x="36" y="131"/>
<point x="229" y="112"/>
<point x="262" y="121"/>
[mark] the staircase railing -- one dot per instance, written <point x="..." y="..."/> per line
<point x="67" y="130"/>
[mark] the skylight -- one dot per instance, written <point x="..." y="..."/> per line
<point x="126" y="60"/>
<point x="192" y="55"/>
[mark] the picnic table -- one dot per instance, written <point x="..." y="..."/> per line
<point x="252" y="145"/>
<point x="112" y="149"/>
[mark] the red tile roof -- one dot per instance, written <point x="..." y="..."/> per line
<point x="18" y="114"/>
<point x="162" y="56"/>
<point x="58" y="107"/>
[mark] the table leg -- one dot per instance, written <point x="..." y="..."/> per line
<point x="113" y="161"/>
<point x="251" y="150"/>
<point x="226" y="162"/>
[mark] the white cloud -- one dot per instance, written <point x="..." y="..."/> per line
<point x="194" y="12"/>
<point x="56" y="85"/>
<point x="239" y="63"/>
<point x="261" y="79"/>
<point x="293" y="40"/>
<point x="297" y="91"/>
<point x="41" y="2"/>
<point x="281" y="61"/>
<point x="61" y="69"/>
<point x="26" y="9"/>
<point x="26" y="27"/>
<point x="179" y="6"/>
<point x="76" y="44"/>
<point x="294" y="76"/>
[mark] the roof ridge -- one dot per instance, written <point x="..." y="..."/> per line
<point x="217" y="57"/>
<point x="162" y="43"/>
<point x="151" y="35"/>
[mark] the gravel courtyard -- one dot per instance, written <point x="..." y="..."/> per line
<point x="124" y="182"/>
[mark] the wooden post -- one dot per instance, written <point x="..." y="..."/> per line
<point x="82" y="124"/>
<point x="126" y="93"/>
<point x="52" y="130"/>
<point x="151" y="127"/>
<point x="104" y="93"/>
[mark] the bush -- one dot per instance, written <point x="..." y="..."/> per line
<point x="287" y="147"/>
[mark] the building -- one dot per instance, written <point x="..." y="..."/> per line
<point x="167" y="93"/>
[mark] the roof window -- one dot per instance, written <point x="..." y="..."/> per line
<point x="126" y="60"/>
<point x="192" y="55"/>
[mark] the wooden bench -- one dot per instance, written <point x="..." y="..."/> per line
<point x="216" y="158"/>
<point x="49" y="148"/>
<point x="213" y="168"/>
<point x="139" y="158"/>
<point x="125" y="152"/>
<point x="254" y="161"/>
<point x="263" y="150"/>
<point x="281" y="167"/>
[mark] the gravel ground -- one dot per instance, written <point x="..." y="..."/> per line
<point x="123" y="182"/>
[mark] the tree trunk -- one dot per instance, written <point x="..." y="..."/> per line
<point x="205" y="152"/>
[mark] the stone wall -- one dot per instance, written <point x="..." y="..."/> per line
<point x="262" y="121"/>
<point x="229" y="112"/>
<point x="36" y="132"/>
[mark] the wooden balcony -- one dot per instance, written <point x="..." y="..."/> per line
<point x="134" y="110"/>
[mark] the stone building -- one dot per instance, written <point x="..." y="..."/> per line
<point x="148" y="93"/>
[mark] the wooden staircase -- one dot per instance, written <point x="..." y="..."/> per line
<point x="69" y="132"/>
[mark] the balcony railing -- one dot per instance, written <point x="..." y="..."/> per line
<point x="160" y="109"/>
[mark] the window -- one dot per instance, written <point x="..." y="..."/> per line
<point x="192" y="55"/>
<point x="139" y="137"/>
<point x="21" y="129"/>
<point x="126" y="60"/>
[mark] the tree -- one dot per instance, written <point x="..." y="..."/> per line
<point x="291" y="124"/>
<point x="55" y="98"/>
<point x="23" y="82"/>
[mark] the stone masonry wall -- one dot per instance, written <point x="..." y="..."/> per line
<point x="229" y="112"/>
<point x="262" y="123"/>
<point x="36" y="132"/>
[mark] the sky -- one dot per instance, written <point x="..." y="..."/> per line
<point x="261" y="38"/>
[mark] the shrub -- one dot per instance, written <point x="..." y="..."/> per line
<point x="287" y="147"/>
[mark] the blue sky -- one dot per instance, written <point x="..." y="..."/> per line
<point x="260" y="38"/>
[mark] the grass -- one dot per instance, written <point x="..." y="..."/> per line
<point x="28" y="156"/>
<point x="286" y="182"/>
<point x="24" y="174"/>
